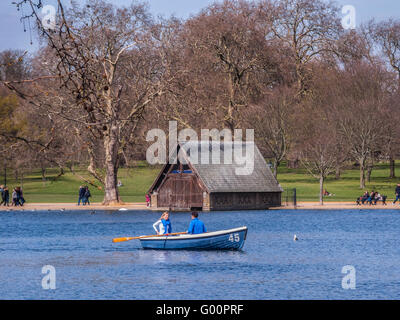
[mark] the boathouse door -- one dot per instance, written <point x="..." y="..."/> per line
<point x="180" y="192"/>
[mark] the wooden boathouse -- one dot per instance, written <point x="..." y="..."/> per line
<point x="205" y="186"/>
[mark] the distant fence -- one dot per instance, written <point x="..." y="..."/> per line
<point x="291" y="197"/>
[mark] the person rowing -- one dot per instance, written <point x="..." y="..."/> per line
<point x="163" y="226"/>
<point x="196" y="226"/>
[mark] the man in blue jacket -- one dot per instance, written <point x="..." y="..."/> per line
<point x="196" y="226"/>
<point x="81" y="194"/>
<point x="397" y="193"/>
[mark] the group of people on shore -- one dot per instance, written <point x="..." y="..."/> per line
<point x="374" y="197"/>
<point x="163" y="225"/>
<point x="16" y="196"/>
<point x="371" y="198"/>
<point x="84" y="196"/>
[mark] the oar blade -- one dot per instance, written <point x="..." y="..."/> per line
<point x="118" y="240"/>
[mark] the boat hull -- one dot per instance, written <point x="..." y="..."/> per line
<point x="221" y="240"/>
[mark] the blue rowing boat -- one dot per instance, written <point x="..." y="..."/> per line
<point x="220" y="240"/>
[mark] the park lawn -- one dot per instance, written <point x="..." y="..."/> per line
<point x="345" y="189"/>
<point x="138" y="180"/>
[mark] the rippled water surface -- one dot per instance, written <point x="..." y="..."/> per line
<point x="271" y="266"/>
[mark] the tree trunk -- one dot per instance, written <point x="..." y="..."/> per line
<point x="43" y="176"/>
<point x="338" y="173"/>
<point x="392" y="168"/>
<point x="362" y="174"/>
<point x="276" y="165"/>
<point x="229" y="116"/>
<point x="111" y="146"/>
<point x="293" y="164"/>
<point x="321" y="190"/>
<point x="369" y="173"/>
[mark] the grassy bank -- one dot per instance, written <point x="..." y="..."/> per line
<point x="347" y="188"/>
<point x="64" y="189"/>
<point x="137" y="181"/>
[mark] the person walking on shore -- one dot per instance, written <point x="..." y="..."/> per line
<point x="148" y="201"/>
<point x="86" y="196"/>
<point x="81" y="194"/>
<point x="15" y="201"/>
<point x="2" y="195"/>
<point x="20" y="196"/>
<point x="6" y="197"/>
<point x="397" y="191"/>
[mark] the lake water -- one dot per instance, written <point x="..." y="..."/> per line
<point x="271" y="266"/>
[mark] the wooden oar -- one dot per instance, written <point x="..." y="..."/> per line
<point x="117" y="240"/>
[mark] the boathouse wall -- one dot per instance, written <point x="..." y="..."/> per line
<point x="244" y="201"/>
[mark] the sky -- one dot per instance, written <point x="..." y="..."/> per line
<point x="12" y="35"/>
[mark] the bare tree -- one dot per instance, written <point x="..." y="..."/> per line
<point x="226" y="48"/>
<point x="308" y="28"/>
<point x="361" y="110"/>
<point x="317" y="141"/>
<point x="272" y="120"/>
<point x="318" y="156"/>
<point x="387" y="35"/>
<point x="105" y="66"/>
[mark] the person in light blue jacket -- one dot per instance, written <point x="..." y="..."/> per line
<point x="196" y="226"/>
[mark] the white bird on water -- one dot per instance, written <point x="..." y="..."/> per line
<point x="295" y="238"/>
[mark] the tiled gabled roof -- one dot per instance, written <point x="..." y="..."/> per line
<point x="224" y="177"/>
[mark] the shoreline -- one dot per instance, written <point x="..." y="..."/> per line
<point x="339" y="206"/>
<point x="142" y="207"/>
<point x="74" y="207"/>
